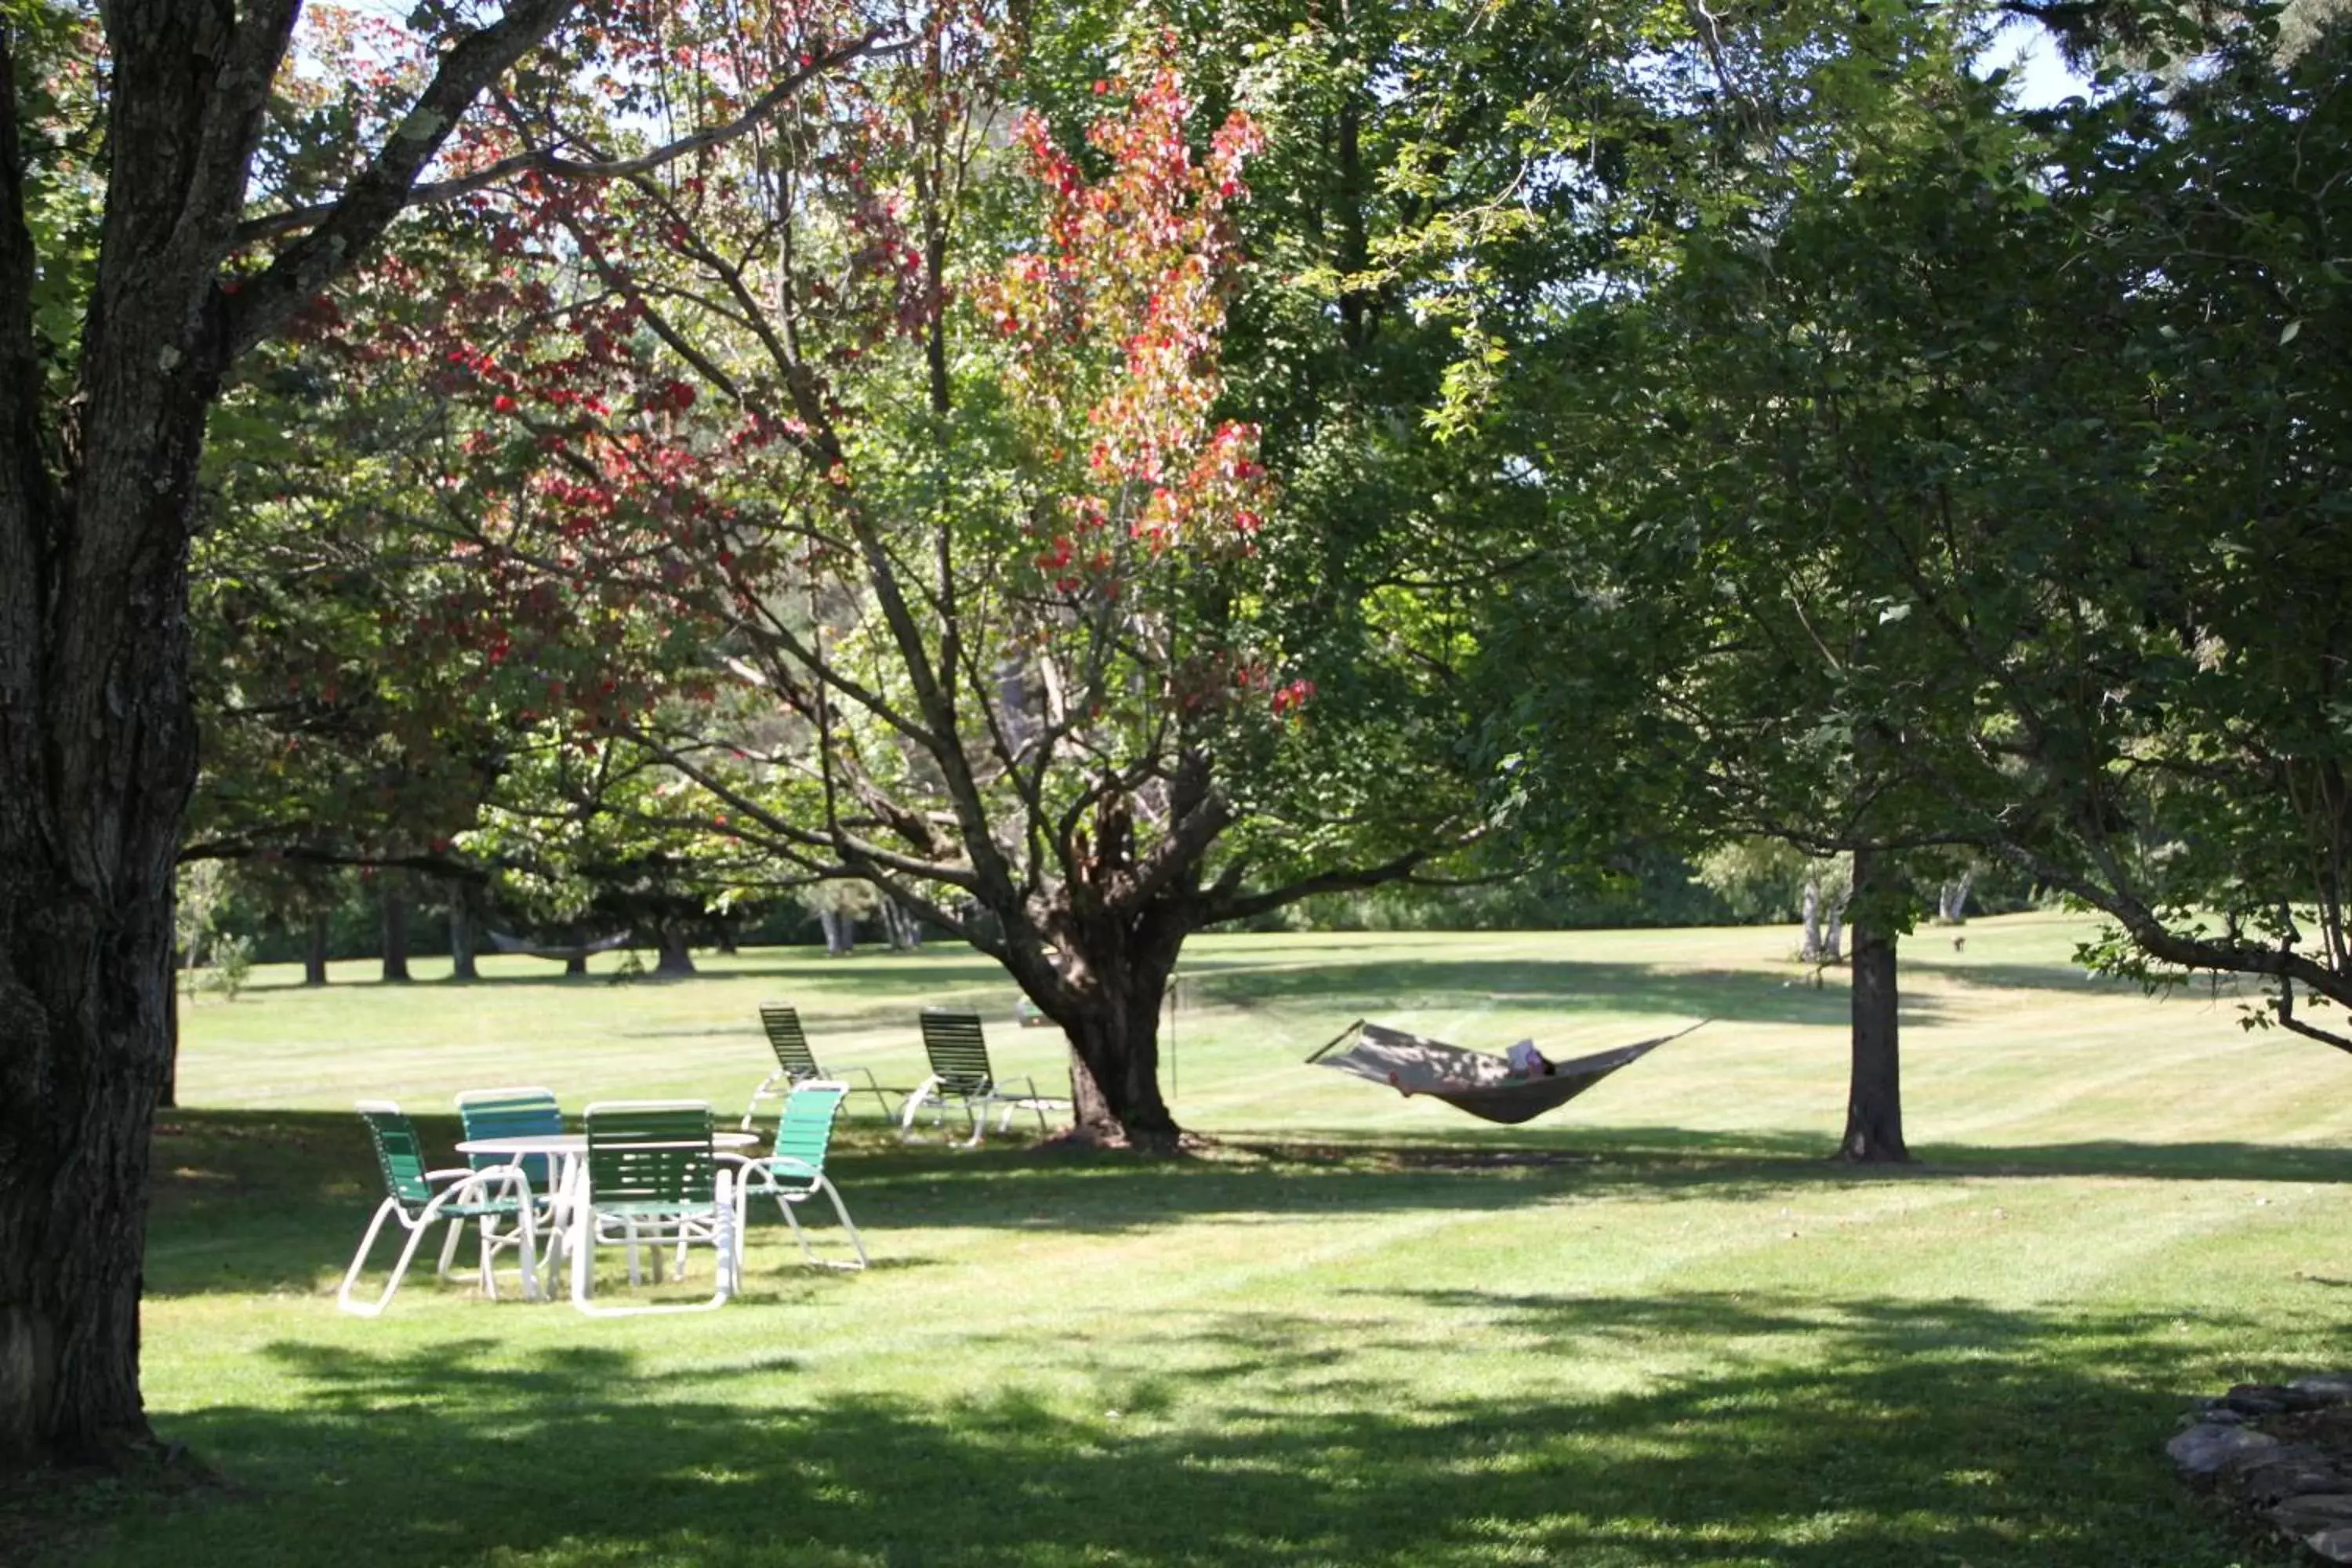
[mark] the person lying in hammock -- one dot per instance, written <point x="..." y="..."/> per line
<point x="1524" y="1060"/>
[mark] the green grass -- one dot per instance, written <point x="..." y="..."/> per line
<point x="1657" y="1328"/>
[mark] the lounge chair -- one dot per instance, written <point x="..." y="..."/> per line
<point x="794" y="1172"/>
<point x="419" y="1198"/>
<point x="652" y="1181"/>
<point x="796" y="1065"/>
<point x="962" y="1076"/>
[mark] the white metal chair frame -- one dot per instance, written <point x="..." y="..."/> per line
<point x="466" y="1188"/>
<point x="934" y="1092"/>
<point x="765" y="1175"/>
<point x="962" y="1071"/>
<point x="720" y="1226"/>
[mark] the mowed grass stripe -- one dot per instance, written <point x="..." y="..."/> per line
<point x="1360" y="1330"/>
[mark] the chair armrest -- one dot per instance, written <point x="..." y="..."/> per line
<point x="786" y="1164"/>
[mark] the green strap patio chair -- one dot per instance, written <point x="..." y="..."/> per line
<point x="652" y="1181"/>
<point x="961" y="1077"/>
<point x="796" y="1065"/>
<point x="418" y="1198"/>
<point x="521" y="1112"/>
<point x="794" y="1172"/>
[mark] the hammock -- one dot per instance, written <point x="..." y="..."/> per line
<point x="1473" y="1080"/>
<point x="514" y="944"/>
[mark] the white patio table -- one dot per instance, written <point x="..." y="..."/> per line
<point x="569" y="1151"/>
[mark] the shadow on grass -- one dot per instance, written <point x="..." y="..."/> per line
<point x="923" y="976"/>
<point x="1822" y="1433"/>
<point x="2070" y="979"/>
<point x="271" y="1200"/>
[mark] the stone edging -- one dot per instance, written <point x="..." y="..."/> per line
<point x="2280" y="1453"/>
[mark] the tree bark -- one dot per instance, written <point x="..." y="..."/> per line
<point x="671" y="956"/>
<point x="840" y="929"/>
<point x="97" y="731"/>
<point x="314" y="952"/>
<point x="1952" y="904"/>
<point x="395" y="928"/>
<point x="1873" y="1111"/>
<point x="1110" y="1004"/>
<point x="168" y="1095"/>
<point x="576" y="964"/>
<point x="1811" y="950"/>
<point x="461" y="934"/>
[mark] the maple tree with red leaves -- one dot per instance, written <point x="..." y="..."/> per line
<point x="906" y="421"/>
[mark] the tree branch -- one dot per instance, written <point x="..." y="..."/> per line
<point x="356" y="219"/>
<point x="544" y="161"/>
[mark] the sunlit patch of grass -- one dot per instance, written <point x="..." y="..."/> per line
<point x="1659" y="1328"/>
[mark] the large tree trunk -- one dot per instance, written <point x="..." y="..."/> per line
<point x="98" y="736"/>
<point x="461" y="933"/>
<point x="395" y="928"/>
<point x="1952" y="902"/>
<point x="1110" y="1009"/>
<point x="168" y="1095"/>
<point x="314" y="952"/>
<point x="1873" y="1111"/>
<point x="671" y="956"/>
<point x="840" y="928"/>
<point x="97" y="733"/>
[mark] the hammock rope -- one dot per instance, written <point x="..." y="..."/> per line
<point x="1475" y="1081"/>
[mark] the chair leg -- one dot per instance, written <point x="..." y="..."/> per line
<point x="525" y="1239"/>
<point x="449" y="1251"/>
<point x="807" y="1255"/>
<point x="359" y="1261"/>
<point x="841" y="1212"/>
<point x="875" y="1088"/>
<point x="722" y="1236"/>
<point x="727" y="1238"/>
<point x="583" y="1252"/>
<point x="758" y="1095"/>
<point x="912" y="1107"/>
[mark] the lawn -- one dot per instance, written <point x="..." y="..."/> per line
<point x="1656" y="1328"/>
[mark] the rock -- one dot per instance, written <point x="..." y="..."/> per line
<point x="2331" y="1545"/>
<point x="2203" y="1449"/>
<point x="2333" y="1388"/>
<point x="2268" y="1476"/>
<point x="2310" y="1515"/>
<point x="2260" y="1399"/>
